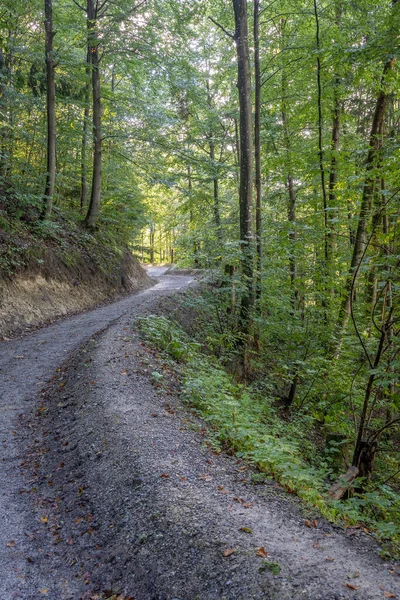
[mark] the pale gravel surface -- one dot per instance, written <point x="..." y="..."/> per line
<point x="121" y="494"/>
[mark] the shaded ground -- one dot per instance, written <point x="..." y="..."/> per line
<point x="107" y="486"/>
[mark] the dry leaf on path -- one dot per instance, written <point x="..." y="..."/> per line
<point x="311" y="524"/>
<point x="261" y="552"/>
<point x="228" y="551"/>
<point x="389" y="595"/>
<point x="351" y="586"/>
<point x="165" y="475"/>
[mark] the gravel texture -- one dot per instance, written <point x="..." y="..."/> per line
<point x="108" y="487"/>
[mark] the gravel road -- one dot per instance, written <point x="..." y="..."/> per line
<point x="107" y="487"/>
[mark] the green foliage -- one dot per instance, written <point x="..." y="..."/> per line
<point x="248" y="423"/>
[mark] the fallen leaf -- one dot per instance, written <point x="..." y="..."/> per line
<point x="165" y="475"/>
<point x="11" y="544"/>
<point x="206" y="477"/>
<point x="311" y="524"/>
<point x="330" y="559"/>
<point x="389" y="595"/>
<point x="228" y="551"/>
<point x="246" y="529"/>
<point x="315" y="544"/>
<point x="44" y="591"/>
<point x="43" y="519"/>
<point x="351" y="586"/>
<point x="248" y="505"/>
<point x="261" y="552"/>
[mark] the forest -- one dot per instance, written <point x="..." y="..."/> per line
<point x="257" y="143"/>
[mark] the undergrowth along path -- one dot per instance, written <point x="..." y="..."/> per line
<point x="122" y="497"/>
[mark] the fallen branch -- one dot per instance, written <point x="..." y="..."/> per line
<point x="338" y="490"/>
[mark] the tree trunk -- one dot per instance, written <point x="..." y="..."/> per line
<point x="216" y="208"/>
<point x="294" y="297"/>
<point x="375" y="146"/>
<point x="85" y="135"/>
<point x="246" y="163"/>
<point x="94" y="205"/>
<point x="257" y="147"/>
<point x="333" y="168"/>
<point x="326" y="267"/>
<point x="51" y="112"/>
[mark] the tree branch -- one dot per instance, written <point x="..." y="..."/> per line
<point x="79" y="6"/>
<point x="222" y="27"/>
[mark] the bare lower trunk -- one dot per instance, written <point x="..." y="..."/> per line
<point x="257" y="147"/>
<point x="216" y="207"/>
<point x="246" y="163"/>
<point x="85" y="135"/>
<point x="94" y="205"/>
<point x="51" y="114"/>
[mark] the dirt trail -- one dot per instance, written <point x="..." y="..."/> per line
<point x="121" y="495"/>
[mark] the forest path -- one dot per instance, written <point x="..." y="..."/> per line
<point x="26" y="364"/>
<point x="121" y="495"/>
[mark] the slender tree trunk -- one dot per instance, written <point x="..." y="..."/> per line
<point x="216" y="207"/>
<point x="333" y="168"/>
<point x="51" y="113"/>
<point x="321" y="164"/>
<point x="85" y="135"/>
<point x="152" y="229"/>
<point x="257" y="147"/>
<point x="246" y="163"/>
<point x="365" y="449"/>
<point x="3" y="74"/>
<point x="94" y="205"/>
<point x="291" y="197"/>
<point x="11" y="113"/>
<point x="294" y="299"/>
<point x="373" y="158"/>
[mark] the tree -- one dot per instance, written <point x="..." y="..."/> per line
<point x="241" y="38"/>
<point x="93" y="13"/>
<point x="51" y="112"/>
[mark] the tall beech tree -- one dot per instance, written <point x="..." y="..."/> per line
<point x="94" y="11"/>
<point x="257" y="145"/>
<point x="241" y="38"/>
<point x="51" y="111"/>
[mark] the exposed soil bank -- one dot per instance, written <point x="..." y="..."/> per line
<point x="50" y="289"/>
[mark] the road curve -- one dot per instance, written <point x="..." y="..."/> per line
<point x="26" y="364"/>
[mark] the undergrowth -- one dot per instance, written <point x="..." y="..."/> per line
<point x="245" y="421"/>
